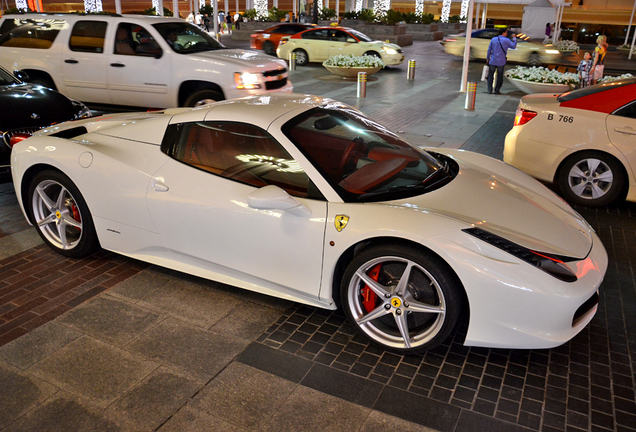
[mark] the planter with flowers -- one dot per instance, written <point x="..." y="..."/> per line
<point x="607" y="79"/>
<point x="348" y="66"/>
<point x="565" y="47"/>
<point x="541" y="80"/>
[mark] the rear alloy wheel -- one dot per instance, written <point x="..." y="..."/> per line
<point x="203" y="97"/>
<point x="591" y="179"/>
<point x="400" y="298"/>
<point x="268" y="47"/>
<point x="534" y="59"/>
<point x="301" y="57"/>
<point x="61" y="216"/>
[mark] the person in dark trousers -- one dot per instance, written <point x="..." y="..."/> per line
<point x="496" y="57"/>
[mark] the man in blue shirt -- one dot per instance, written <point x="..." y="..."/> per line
<point x="496" y="57"/>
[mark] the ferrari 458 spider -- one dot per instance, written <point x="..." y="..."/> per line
<point x="307" y="199"/>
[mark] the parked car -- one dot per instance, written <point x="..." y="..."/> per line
<point x="320" y="43"/>
<point x="528" y="52"/>
<point x="582" y="140"/>
<point x="268" y="39"/>
<point x="132" y="60"/>
<point x="25" y="108"/>
<point x="307" y="199"/>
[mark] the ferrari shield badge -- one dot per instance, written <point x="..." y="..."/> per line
<point x="341" y="222"/>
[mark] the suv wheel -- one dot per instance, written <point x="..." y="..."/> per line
<point x="203" y="97"/>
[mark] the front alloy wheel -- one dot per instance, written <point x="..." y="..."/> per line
<point x="402" y="299"/>
<point x="61" y="216"/>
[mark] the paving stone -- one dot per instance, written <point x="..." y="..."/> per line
<point x="110" y="320"/>
<point x="244" y="396"/>
<point x="339" y="416"/>
<point x="193" y="351"/>
<point x="155" y="399"/>
<point x="20" y="392"/>
<point x="191" y="420"/>
<point x="38" y="344"/>
<point x="93" y="370"/>
<point x="380" y="422"/>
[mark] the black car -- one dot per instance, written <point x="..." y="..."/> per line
<point x="25" y="108"/>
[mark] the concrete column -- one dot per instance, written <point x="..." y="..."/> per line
<point x="118" y="6"/>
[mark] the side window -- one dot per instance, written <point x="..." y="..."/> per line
<point x="88" y="36"/>
<point x="132" y="39"/>
<point x="30" y="33"/>
<point x="240" y="152"/>
<point x="627" y="111"/>
<point x="338" y="36"/>
<point x="316" y="35"/>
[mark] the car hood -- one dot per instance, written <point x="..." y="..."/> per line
<point x="243" y="59"/>
<point x="23" y="105"/>
<point x="502" y="200"/>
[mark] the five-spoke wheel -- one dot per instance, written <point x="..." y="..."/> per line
<point x="60" y="215"/>
<point x="400" y="298"/>
<point x="591" y="179"/>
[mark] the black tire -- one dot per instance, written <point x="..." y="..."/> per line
<point x="471" y="55"/>
<point x="203" y="97"/>
<point x="534" y="59"/>
<point x="591" y="179"/>
<point x="302" y="58"/>
<point x="60" y="215"/>
<point x="373" y="54"/>
<point x="268" y="47"/>
<point x="428" y="310"/>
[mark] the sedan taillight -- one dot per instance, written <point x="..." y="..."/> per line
<point x="523" y="116"/>
<point x="16" y="138"/>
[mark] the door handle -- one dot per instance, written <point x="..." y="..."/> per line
<point x="118" y="65"/>
<point x="157" y="186"/>
<point x="71" y="61"/>
<point x="626" y="130"/>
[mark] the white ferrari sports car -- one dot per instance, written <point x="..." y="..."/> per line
<point x="582" y="140"/>
<point x="307" y="199"/>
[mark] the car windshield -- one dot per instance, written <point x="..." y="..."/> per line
<point x="361" y="159"/>
<point x="185" y="38"/>
<point x="6" y="78"/>
<point x="361" y="36"/>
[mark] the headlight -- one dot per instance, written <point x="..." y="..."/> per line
<point x="389" y="51"/>
<point x="552" y="51"/>
<point x="551" y="264"/>
<point x="246" y="80"/>
<point x="81" y="110"/>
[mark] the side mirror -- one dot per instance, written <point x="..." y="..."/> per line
<point x="274" y="198"/>
<point x="351" y="40"/>
<point x="21" y="75"/>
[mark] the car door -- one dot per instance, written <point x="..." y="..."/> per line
<point x="621" y="129"/>
<point x="84" y="62"/>
<point x="139" y="70"/>
<point x="341" y="43"/>
<point x="200" y="203"/>
<point x="316" y="43"/>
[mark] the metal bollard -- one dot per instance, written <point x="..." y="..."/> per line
<point x="292" y="61"/>
<point x="410" y="72"/>
<point x="471" y="91"/>
<point x="362" y="84"/>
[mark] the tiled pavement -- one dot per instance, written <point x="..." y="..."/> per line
<point x="159" y="350"/>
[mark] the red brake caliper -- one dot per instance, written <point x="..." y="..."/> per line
<point x="369" y="297"/>
<point x="76" y="213"/>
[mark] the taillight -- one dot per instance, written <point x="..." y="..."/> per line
<point x="16" y="138"/>
<point x="450" y="40"/>
<point x="523" y="116"/>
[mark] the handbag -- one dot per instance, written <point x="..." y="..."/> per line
<point x="484" y="73"/>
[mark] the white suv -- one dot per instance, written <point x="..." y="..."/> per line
<point x="134" y="60"/>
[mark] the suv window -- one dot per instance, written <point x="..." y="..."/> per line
<point x="88" y="36"/>
<point x="239" y="152"/>
<point x="185" y="38"/>
<point x="133" y="39"/>
<point x="30" y="33"/>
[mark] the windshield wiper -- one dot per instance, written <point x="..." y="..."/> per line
<point x="441" y="174"/>
<point x="392" y="189"/>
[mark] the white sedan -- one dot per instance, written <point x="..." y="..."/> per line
<point x="307" y="199"/>
<point x="582" y="140"/>
<point x="319" y="43"/>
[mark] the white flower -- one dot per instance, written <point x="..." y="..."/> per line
<point x="351" y="61"/>
<point x="565" y="45"/>
<point x="616" y="78"/>
<point x="542" y="75"/>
